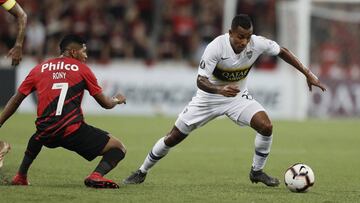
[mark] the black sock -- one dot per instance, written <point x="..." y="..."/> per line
<point x="25" y="164"/>
<point x="32" y="150"/>
<point x="110" y="159"/>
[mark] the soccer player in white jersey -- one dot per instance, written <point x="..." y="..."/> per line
<point x="222" y="90"/>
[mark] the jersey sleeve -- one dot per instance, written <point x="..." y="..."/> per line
<point x="7" y="4"/>
<point x="209" y="59"/>
<point x="28" y="85"/>
<point x="268" y="46"/>
<point x="91" y="82"/>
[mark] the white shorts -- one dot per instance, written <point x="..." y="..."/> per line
<point x="204" y="107"/>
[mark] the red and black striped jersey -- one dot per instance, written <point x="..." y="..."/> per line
<point x="59" y="84"/>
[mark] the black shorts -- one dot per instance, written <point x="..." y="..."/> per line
<point x="87" y="141"/>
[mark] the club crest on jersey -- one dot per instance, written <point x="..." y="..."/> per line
<point x="249" y="54"/>
<point x="202" y="64"/>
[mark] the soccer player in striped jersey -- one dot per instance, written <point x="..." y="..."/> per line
<point x="15" y="53"/>
<point x="59" y="84"/>
<point x="222" y="90"/>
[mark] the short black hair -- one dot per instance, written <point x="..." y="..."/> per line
<point x="69" y="39"/>
<point x="241" y="20"/>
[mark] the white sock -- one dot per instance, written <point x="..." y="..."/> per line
<point x="262" y="150"/>
<point x="157" y="152"/>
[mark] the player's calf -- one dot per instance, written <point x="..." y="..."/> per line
<point x="110" y="160"/>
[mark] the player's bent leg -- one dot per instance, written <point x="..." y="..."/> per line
<point x="109" y="161"/>
<point x="263" y="140"/>
<point x="4" y="149"/>
<point x="160" y="149"/>
<point x="32" y="150"/>
<point x="114" y="143"/>
<point x="174" y="137"/>
<point x="113" y="153"/>
<point x="261" y="123"/>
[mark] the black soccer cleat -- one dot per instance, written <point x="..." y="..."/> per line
<point x="136" y="177"/>
<point x="260" y="176"/>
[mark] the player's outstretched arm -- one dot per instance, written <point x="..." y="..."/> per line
<point x="16" y="52"/>
<point x="204" y="84"/>
<point x="291" y="59"/>
<point x="11" y="106"/>
<point x="109" y="103"/>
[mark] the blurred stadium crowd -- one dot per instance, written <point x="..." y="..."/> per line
<point x="335" y="43"/>
<point x="153" y="30"/>
<point x="128" y="29"/>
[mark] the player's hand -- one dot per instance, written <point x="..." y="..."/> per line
<point x="16" y="55"/>
<point x="313" y="80"/>
<point x="119" y="98"/>
<point x="229" y="90"/>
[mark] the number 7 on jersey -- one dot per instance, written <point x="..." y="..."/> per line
<point x="64" y="87"/>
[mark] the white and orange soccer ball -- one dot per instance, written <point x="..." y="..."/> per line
<point x="299" y="178"/>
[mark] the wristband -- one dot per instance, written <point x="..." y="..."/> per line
<point x="9" y="4"/>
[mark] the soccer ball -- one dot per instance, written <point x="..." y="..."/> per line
<point x="299" y="178"/>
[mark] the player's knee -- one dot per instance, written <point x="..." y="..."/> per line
<point x="120" y="146"/>
<point x="170" y="140"/>
<point x="266" y="129"/>
<point x="123" y="149"/>
<point x="174" y="137"/>
<point x="116" y="143"/>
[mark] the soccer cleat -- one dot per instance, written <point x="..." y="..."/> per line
<point x="4" y="149"/>
<point x="260" y="176"/>
<point x="136" y="177"/>
<point x="96" y="180"/>
<point x="19" y="179"/>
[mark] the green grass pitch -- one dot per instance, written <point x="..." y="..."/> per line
<point x="211" y="165"/>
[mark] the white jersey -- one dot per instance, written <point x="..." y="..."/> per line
<point x="223" y="66"/>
